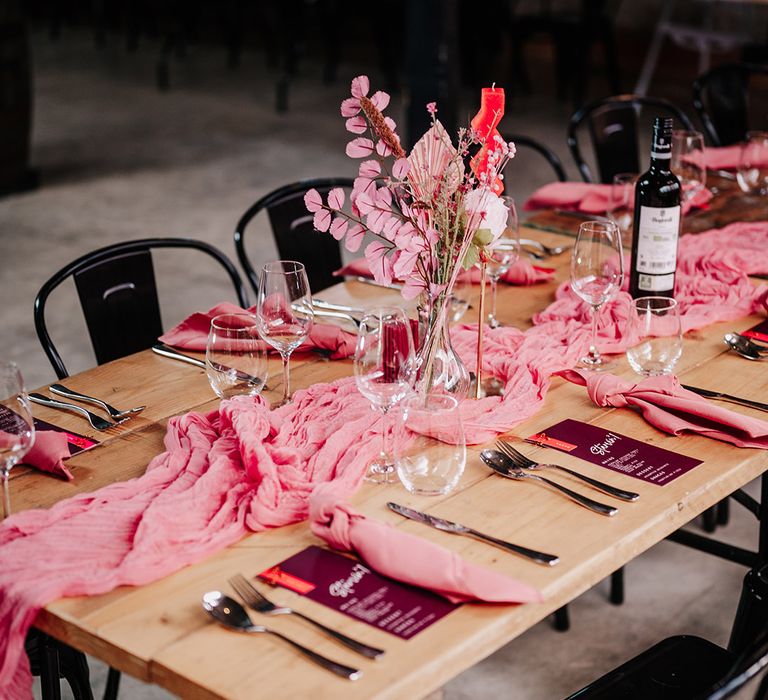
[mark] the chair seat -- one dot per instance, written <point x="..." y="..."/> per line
<point x="677" y="668"/>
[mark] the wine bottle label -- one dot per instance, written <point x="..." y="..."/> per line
<point x="657" y="242"/>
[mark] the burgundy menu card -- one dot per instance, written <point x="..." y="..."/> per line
<point x="346" y="585"/>
<point x="616" y="452"/>
<point x="75" y="442"/>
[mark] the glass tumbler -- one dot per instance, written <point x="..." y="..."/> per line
<point x="752" y="174"/>
<point x="657" y="336"/>
<point x="426" y="463"/>
<point x="235" y="359"/>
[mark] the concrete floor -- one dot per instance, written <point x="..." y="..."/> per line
<point x="119" y="160"/>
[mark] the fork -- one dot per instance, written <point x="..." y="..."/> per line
<point x="548" y="251"/>
<point x="96" y="421"/>
<point x="258" y="602"/>
<point x="524" y="462"/>
<point x="114" y="413"/>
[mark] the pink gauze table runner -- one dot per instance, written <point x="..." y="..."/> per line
<point x="245" y="468"/>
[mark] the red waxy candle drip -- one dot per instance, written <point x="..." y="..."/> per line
<point x="485" y="123"/>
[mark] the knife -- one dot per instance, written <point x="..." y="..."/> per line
<point x="374" y="283"/>
<point x="166" y="351"/>
<point x="726" y="397"/>
<point x="448" y="526"/>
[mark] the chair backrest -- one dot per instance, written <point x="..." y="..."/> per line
<point x="612" y="124"/>
<point x="118" y="295"/>
<point x="550" y="156"/>
<point x="294" y="232"/>
<point x="721" y="97"/>
<point x="749" y="664"/>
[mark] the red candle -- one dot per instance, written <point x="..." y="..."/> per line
<point x="485" y="123"/>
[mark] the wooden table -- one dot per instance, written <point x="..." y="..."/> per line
<point x="159" y="633"/>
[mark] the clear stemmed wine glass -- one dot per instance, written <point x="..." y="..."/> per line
<point x="688" y="162"/>
<point x="621" y="205"/>
<point x="17" y="429"/>
<point x="284" y="311"/>
<point x="597" y="271"/>
<point x="385" y="369"/>
<point x="752" y="174"/>
<point x="503" y="254"/>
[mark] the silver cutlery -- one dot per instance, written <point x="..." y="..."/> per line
<point x="231" y="614"/>
<point x="374" y="283"/>
<point x="726" y="397"/>
<point x="744" y="346"/>
<point x="503" y="465"/>
<point x="548" y="251"/>
<point x="96" y="421"/>
<point x="332" y="306"/>
<point x="114" y="413"/>
<point x="524" y="462"/>
<point x="166" y="351"/>
<point x="320" y="312"/>
<point x="456" y="528"/>
<point x="254" y="599"/>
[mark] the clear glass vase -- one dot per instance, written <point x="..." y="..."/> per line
<point x="441" y="370"/>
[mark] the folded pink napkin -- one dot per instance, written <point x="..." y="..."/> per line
<point x="590" y="198"/>
<point x="410" y="559"/>
<point x="522" y="273"/>
<point x="726" y="158"/>
<point x="669" y="407"/>
<point x="47" y="452"/>
<point x="192" y="333"/>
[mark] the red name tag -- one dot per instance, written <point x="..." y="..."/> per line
<point x="545" y="441"/>
<point x="277" y="577"/>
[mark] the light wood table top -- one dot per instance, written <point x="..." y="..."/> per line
<point x="160" y="634"/>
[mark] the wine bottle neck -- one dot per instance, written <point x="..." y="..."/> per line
<point x="661" y="150"/>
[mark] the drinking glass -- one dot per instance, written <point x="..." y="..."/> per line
<point x="621" y="205"/>
<point x="384" y="373"/>
<point x="597" y="271"/>
<point x="752" y="174"/>
<point x="284" y="311"/>
<point x="235" y="359"/>
<point x="657" y="336"/>
<point x="17" y="429"/>
<point x="503" y="253"/>
<point x="426" y="465"/>
<point x="688" y="162"/>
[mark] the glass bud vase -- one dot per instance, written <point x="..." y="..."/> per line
<point x="441" y="370"/>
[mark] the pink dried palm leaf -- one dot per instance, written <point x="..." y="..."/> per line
<point x="435" y="165"/>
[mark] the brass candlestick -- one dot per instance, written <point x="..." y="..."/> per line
<point x="480" y="324"/>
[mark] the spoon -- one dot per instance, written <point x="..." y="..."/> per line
<point x="231" y="614"/>
<point x="744" y="346"/>
<point x="501" y="464"/>
<point x="547" y="250"/>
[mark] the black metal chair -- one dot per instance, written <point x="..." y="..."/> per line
<point x="721" y="97"/>
<point x="118" y="295"/>
<point x="612" y="124"/>
<point x="550" y="156"/>
<point x="294" y="232"/>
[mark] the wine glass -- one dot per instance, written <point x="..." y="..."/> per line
<point x="597" y="271"/>
<point x="384" y="373"/>
<point x="620" y="205"/>
<point x="284" y="312"/>
<point x="17" y="429"/>
<point x="688" y="162"/>
<point x="235" y="359"/>
<point x="502" y="254"/>
<point x="752" y="174"/>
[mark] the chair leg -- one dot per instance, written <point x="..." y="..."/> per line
<point x="723" y="512"/>
<point x="617" y="587"/>
<point x="113" y="684"/>
<point x="710" y="519"/>
<point x="562" y="621"/>
<point x="49" y="669"/>
<point x="74" y="669"/>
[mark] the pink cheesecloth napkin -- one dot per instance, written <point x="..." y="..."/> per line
<point x="669" y="407"/>
<point x="521" y="273"/>
<point x="192" y="333"/>
<point x="726" y="157"/>
<point x="46" y="454"/>
<point x="245" y="468"/>
<point x="590" y="198"/>
<point x="407" y="558"/>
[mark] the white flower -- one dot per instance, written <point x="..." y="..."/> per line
<point x="486" y="210"/>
